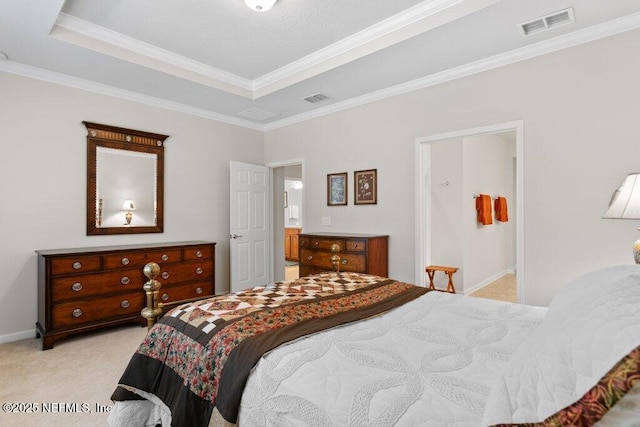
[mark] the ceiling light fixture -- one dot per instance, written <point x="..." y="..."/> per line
<point x="260" y="5"/>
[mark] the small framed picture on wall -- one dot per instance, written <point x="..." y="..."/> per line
<point x="366" y="187"/>
<point x="337" y="189"/>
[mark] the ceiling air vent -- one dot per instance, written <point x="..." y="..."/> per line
<point x="257" y="114"/>
<point x="318" y="97"/>
<point x="547" y="22"/>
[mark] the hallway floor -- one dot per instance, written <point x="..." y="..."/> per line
<point x="503" y="289"/>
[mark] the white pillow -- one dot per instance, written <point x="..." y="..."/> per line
<point x="592" y="323"/>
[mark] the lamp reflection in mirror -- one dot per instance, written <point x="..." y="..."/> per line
<point x="260" y="5"/>
<point x="625" y="204"/>
<point x="128" y="206"/>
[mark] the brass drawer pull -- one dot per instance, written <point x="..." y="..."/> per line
<point x="125" y="280"/>
<point x="344" y="262"/>
<point x="77" y="286"/>
<point x="199" y="270"/>
<point x="77" y="265"/>
<point x="165" y="275"/>
<point x="125" y="261"/>
<point x="199" y="254"/>
<point x="310" y="257"/>
<point x="164" y="297"/>
<point x="76" y="313"/>
<point x="316" y="243"/>
<point x="124" y="304"/>
<point x="165" y="257"/>
<point x="198" y="291"/>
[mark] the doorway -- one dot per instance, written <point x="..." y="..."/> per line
<point x="293" y="187"/>
<point x="288" y="214"/>
<point x="451" y="170"/>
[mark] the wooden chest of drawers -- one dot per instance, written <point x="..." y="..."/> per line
<point x="90" y="288"/>
<point x="361" y="253"/>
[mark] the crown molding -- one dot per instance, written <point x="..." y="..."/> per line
<point x="89" y="86"/>
<point x="402" y="26"/>
<point x="585" y="35"/>
<point x="83" y="33"/>
<point x="395" y="29"/>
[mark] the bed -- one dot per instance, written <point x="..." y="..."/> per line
<point x="407" y="357"/>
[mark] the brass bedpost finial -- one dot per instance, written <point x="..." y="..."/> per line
<point x="335" y="258"/>
<point x="152" y="311"/>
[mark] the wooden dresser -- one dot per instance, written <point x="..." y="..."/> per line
<point x="90" y="288"/>
<point x="361" y="253"/>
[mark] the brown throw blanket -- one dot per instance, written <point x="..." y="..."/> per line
<point x="197" y="358"/>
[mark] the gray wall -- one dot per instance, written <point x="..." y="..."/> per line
<point x="580" y="109"/>
<point x="43" y="176"/>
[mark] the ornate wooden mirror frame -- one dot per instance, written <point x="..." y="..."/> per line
<point x="122" y="165"/>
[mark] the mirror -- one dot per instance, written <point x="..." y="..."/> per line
<point x="125" y="180"/>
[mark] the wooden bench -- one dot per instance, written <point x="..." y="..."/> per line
<point x="431" y="271"/>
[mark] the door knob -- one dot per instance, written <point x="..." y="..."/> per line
<point x="235" y="236"/>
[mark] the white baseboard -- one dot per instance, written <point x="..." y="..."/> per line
<point x="488" y="280"/>
<point x="17" y="336"/>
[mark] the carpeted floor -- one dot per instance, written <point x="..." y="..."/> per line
<point x="68" y="385"/>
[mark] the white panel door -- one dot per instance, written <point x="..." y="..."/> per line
<point x="249" y="225"/>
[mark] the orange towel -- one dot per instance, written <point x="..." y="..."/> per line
<point x="483" y="206"/>
<point x="501" y="209"/>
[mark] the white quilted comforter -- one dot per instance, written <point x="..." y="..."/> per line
<point x="591" y="324"/>
<point x="430" y="362"/>
<point x="451" y="360"/>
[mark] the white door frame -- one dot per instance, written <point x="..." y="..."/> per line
<point x="272" y="166"/>
<point x="423" y="195"/>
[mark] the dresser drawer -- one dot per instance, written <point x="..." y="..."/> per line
<point x="320" y="243"/>
<point x="322" y="260"/>
<point x="307" y="270"/>
<point x="74" y="264"/>
<point x="182" y="292"/>
<point x="139" y="259"/>
<point x="355" y="246"/>
<point x="86" y="285"/>
<point x="317" y="259"/>
<point x="198" y="252"/>
<point x="77" y="313"/>
<point x="185" y="271"/>
<point x="353" y="262"/>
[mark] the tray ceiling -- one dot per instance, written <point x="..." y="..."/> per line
<point x="219" y="59"/>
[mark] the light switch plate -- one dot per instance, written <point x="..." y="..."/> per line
<point x="325" y="220"/>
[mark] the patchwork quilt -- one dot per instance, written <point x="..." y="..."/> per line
<point x="195" y="361"/>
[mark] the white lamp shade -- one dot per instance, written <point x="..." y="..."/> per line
<point x="260" y="5"/>
<point x="625" y="201"/>
<point x="128" y="205"/>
